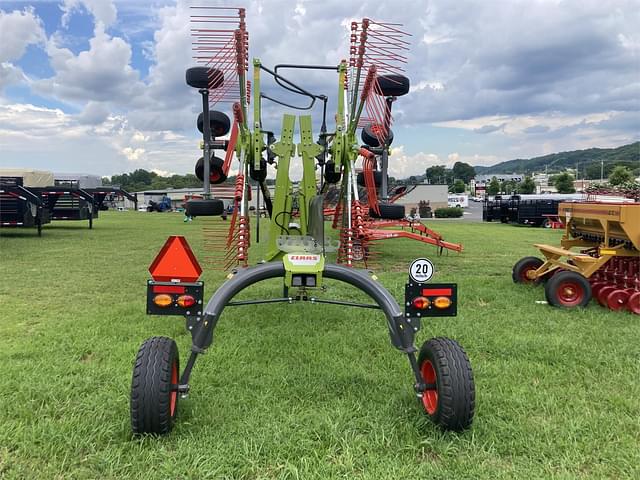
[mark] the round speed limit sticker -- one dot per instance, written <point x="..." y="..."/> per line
<point x="421" y="270"/>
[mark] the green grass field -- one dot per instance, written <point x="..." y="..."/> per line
<point x="304" y="391"/>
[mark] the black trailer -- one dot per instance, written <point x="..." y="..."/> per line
<point x="103" y="194"/>
<point x="496" y="209"/>
<point x="521" y="211"/>
<point x="67" y="203"/>
<point x="536" y="212"/>
<point x="20" y="206"/>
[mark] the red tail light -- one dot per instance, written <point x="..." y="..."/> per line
<point x="186" y="301"/>
<point x="421" y="303"/>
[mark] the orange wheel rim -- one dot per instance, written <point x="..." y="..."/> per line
<point x="174" y="393"/>
<point x="430" y="395"/>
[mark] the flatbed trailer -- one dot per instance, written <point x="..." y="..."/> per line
<point x="100" y="194"/>
<point x="20" y="207"/>
<point x="65" y="203"/>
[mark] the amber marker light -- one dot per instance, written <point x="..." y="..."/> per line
<point x="442" y="302"/>
<point x="163" y="300"/>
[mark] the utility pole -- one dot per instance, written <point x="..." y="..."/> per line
<point x="601" y="171"/>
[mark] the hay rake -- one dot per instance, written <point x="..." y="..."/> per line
<point x="297" y="243"/>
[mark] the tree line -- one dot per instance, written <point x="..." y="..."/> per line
<point x="456" y="178"/>
<point x="142" y="179"/>
<point x="619" y="177"/>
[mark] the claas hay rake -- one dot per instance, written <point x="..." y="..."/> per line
<point x="606" y="266"/>
<point x="366" y="85"/>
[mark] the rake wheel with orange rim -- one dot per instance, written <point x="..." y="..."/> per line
<point x="217" y="174"/>
<point x="449" y="394"/>
<point x="154" y="394"/>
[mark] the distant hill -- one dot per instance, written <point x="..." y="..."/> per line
<point x="628" y="155"/>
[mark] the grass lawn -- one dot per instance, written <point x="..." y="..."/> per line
<point x="304" y="391"/>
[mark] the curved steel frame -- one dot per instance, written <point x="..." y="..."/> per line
<point x="401" y="330"/>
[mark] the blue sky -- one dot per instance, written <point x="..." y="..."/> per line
<point x="97" y="86"/>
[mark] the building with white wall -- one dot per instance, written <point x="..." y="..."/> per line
<point x="436" y="195"/>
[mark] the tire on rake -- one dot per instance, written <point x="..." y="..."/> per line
<point x="154" y="399"/>
<point x="388" y="211"/>
<point x="449" y="399"/>
<point x="216" y="170"/>
<point x="393" y="85"/>
<point x="219" y="123"/>
<point x="330" y="174"/>
<point x="204" y="208"/>
<point x="203" y="77"/>
<point x="370" y="138"/>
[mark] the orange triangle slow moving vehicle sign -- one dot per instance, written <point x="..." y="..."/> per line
<point x="175" y="262"/>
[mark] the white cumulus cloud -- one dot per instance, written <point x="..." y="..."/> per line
<point x="101" y="73"/>
<point x="18" y="30"/>
<point x="403" y="165"/>
<point x="103" y="11"/>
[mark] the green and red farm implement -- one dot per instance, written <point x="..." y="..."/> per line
<point x="366" y="86"/>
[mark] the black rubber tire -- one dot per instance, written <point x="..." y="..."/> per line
<point x="557" y="288"/>
<point x="393" y="85"/>
<point x="219" y="122"/>
<point x="330" y="175"/>
<point x="216" y="173"/>
<point x="199" y="77"/>
<point x="388" y="211"/>
<point x="157" y="367"/>
<point x="377" y="178"/>
<point x="369" y="137"/>
<point x="258" y="175"/>
<point x="454" y="386"/>
<point x="518" y="273"/>
<point x="203" y="208"/>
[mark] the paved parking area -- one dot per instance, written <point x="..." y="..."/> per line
<point x="474" y="212"/>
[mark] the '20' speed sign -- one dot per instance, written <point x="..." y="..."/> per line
<point x="421" y="270"/>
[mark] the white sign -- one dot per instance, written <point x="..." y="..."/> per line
<point x="421" y="270"/>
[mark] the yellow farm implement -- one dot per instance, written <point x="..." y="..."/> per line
<point x="605" y="266"/>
